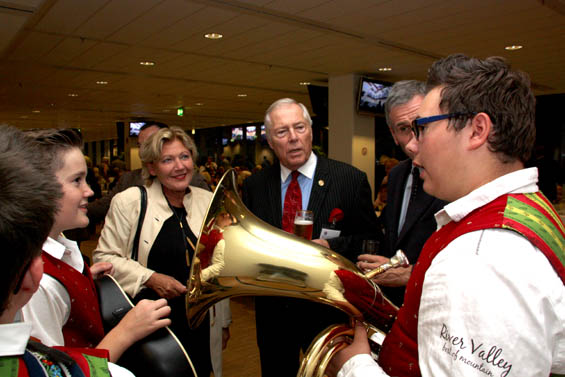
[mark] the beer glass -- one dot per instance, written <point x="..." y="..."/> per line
<point x="304" y="224"/>
<point x="370" y="246"/>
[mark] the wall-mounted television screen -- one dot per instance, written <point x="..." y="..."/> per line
<point x="263" y="132"/>
<point x="224" y="141"/>
<point x="372" y="96"/>
<point x="251" y="133"/>
<point x="236" y="133"/>
<point x="134" y="128"/>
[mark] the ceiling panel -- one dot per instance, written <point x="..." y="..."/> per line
<point x="61" y="47"/>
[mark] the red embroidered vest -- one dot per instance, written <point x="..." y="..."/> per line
<point x="84" y="327"/>
<point x="531" y="215"/>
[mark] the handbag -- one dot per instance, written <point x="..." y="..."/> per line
<point x="142" y="210"/>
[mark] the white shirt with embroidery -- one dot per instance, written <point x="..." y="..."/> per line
<point x="492" y="304"/>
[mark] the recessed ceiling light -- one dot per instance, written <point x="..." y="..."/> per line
<point x="385" y="69"/>
<point x="199" y="104"/>
<point x="36" y="111"/>
<point x="304" y="83"/>
<point x="102" y="82"/>
<point x="242" y="95"/>
<point x="213" y="36"/>
<point x="513" y="47"/>
<point x="73" y="95"/>
<point x="147" y="63"/>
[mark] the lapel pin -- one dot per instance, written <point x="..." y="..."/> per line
<point x="321" y="183"/>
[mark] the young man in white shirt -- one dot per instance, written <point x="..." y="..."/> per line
<point x="487" y="295"/>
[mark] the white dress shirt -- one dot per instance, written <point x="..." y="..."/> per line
<point x="50" y="307"/>
<point x="491" y="302"/>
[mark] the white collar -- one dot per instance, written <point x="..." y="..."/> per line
<point x="14" y="338"/>
<point x="517" y="182"/>
<point x="65" y="250"/>
<point x="308" y="169"/>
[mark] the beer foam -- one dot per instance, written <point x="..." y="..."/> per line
<point x="303" y="222"/>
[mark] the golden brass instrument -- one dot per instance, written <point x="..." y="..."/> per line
<point x="238" y="254"/>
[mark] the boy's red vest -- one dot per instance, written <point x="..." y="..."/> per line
<point x="84" y="327"/>
<point x="531" y="215"/>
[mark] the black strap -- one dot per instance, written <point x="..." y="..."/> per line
<point x="142" y="210"/>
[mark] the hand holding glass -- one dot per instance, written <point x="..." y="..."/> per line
<point x="304" y="224"/>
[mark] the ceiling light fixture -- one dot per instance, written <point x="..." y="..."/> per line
<point x="385" y="69"/>
<point x="73" y="95"/>
<point x="242" y="95"/>
<point x="513" y="47"/>
<point x="199" y="104"/>
<point x="213" y="36"/>
<point x="304" y="83"/>
<point x="102" y="82"/>
<point x="36" y="111"/>
<point x="147" y="63"/>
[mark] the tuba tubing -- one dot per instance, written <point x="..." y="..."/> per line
<point x="237" y="254"/>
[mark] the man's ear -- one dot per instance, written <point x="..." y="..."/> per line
<point x="481" y="127"/>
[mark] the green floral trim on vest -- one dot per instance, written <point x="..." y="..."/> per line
<point x="537" y="221"/>
<point x="9" y="366"/>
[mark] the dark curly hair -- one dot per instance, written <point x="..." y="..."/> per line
<point x="471" y="85"/>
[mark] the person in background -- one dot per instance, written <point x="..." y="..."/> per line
<point x="65" y="309"/>
<point x="170" y="229"/>
<point x="29" y="199"/>
<point x="495" y="264"/>
<point x="98" y="209"/>
<point x="285" y="325"/>
<point x="408" y="216"/>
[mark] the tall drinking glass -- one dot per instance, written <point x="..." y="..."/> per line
<point x="304" y="224"/>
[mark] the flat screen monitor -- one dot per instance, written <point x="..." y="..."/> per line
<point x="134" y="128"/>
<point x="224" y="141"/>
<point x="372" y="96"/>
<point x="236" y="133"/>
<point x="251" y="133"/>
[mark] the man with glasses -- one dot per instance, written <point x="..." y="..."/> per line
<point x="285" y="325"/>
<point x="487" y="296"/>
<point x="408" y="217"/>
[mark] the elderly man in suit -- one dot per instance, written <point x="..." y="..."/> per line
<point x="408" y="217"/>
<point x="285" y="325"/>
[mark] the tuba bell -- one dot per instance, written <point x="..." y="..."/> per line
<point x="238" y="254"/>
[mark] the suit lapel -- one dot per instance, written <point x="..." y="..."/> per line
<point x="398" y="192"/>
<point x="273" y="187"/>
<point x="320" y="185"/>
<point x="421" y="204"/>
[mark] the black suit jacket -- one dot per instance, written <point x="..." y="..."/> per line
<point x="418" y="226"/>
<point x="335" y="185"/>
<point x="297" y="321"/>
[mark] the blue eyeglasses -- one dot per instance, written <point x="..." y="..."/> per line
<point x="419" y="124"/>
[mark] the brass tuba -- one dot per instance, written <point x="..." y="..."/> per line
<point x="238" y="254"/>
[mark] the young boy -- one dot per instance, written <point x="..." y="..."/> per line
<point x="65" y="311"/>
<point x="28" y="198"/>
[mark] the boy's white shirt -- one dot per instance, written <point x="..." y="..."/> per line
<point x="50" y="307"/>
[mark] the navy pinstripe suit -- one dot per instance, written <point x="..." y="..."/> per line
<point x="283" y="324"/>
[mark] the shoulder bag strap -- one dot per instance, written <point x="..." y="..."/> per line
<point x="142" y="210"/>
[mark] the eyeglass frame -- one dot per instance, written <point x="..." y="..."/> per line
<point x="416" y="124"/>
